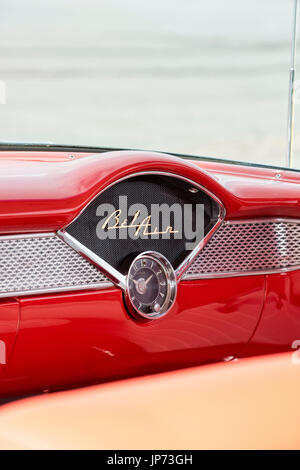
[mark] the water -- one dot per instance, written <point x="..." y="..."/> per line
<point x="185" y="76"/>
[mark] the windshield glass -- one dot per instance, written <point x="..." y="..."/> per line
<point x="184" y="76"/>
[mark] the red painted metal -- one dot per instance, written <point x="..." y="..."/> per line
<point x="9" y="325"/>
<point x="72" y="339"/>
<point x="69" y="339"/>
<point x="279" y="327"/>
<point x="43" y="195"/>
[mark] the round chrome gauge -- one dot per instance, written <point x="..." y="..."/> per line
<point x="151" y="285"/>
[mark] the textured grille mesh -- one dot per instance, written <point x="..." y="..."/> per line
<point x="42" y="264"/>
<point x="146" y="190"/>
<point x="249" y="246"/>
<point x="47" y="264"/>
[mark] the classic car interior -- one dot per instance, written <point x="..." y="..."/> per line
<point x="78" y="308"/>
<point x="150" y="270"/>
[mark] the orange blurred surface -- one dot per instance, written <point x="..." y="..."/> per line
<point x="247" y="404"/>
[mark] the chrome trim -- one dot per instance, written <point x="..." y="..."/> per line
<point x="171" y="286"/>
<point x="193" y="255"/>
<point x="57" y="290"/>
<point x="291" y="95"/>
<point x="25" y="271"/>
<point x="114" y="275"/>
<point x="251" y="272"/>
<point x="289" y="220"/>
<point x="121" y="280"/>
<point x="194" y="277"/>
<point x="23" y="236"/>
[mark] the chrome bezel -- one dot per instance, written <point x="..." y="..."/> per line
<point x="170" y="275"/>
<point x="113" y="274"/>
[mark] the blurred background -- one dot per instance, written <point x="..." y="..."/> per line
<point x="186" y="76"/>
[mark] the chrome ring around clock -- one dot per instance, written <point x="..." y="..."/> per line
<point x="150" y="286"/>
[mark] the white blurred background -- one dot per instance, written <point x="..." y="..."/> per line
<point x="187" y="76"/>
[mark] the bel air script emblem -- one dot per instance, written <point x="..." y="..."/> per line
<point x="165" y="221"/>
<point x="113" y="222"/>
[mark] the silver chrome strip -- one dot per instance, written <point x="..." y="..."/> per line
<point x="281" y="243"/>
<point x="23" y="236"/>
<point x="102" y="285"/>
<point x="115" y="276"/>
<point x="267" y="240"/>
<point x="262" y="220"/>
<point x="193" y="255"/>
<point x="193" y="277"/>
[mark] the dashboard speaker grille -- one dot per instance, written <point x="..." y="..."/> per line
<point x="31" y="264"/>
<point x="248" y="248"/>
<point x="148" y="191"/>
<point x="39" y="264"/>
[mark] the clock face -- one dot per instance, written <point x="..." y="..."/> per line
<point x="151" y="285"/>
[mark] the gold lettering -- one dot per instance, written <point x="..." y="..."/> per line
<point x="145" y="224"/>
<point x="135" y="217"/>
<point x="116" y="216"/>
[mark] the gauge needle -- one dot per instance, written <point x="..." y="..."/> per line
<point x="146" y="282"/>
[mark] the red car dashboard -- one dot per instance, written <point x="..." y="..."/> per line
<point x="82" y="303"/>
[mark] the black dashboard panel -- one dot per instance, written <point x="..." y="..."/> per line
<point x="150" y="190"/>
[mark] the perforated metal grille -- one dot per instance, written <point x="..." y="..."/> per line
<point x="43" y="264"/>
<point x="147" y="190"/>
<point x="248" y="247"/>
<point x="46" y="264"/>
